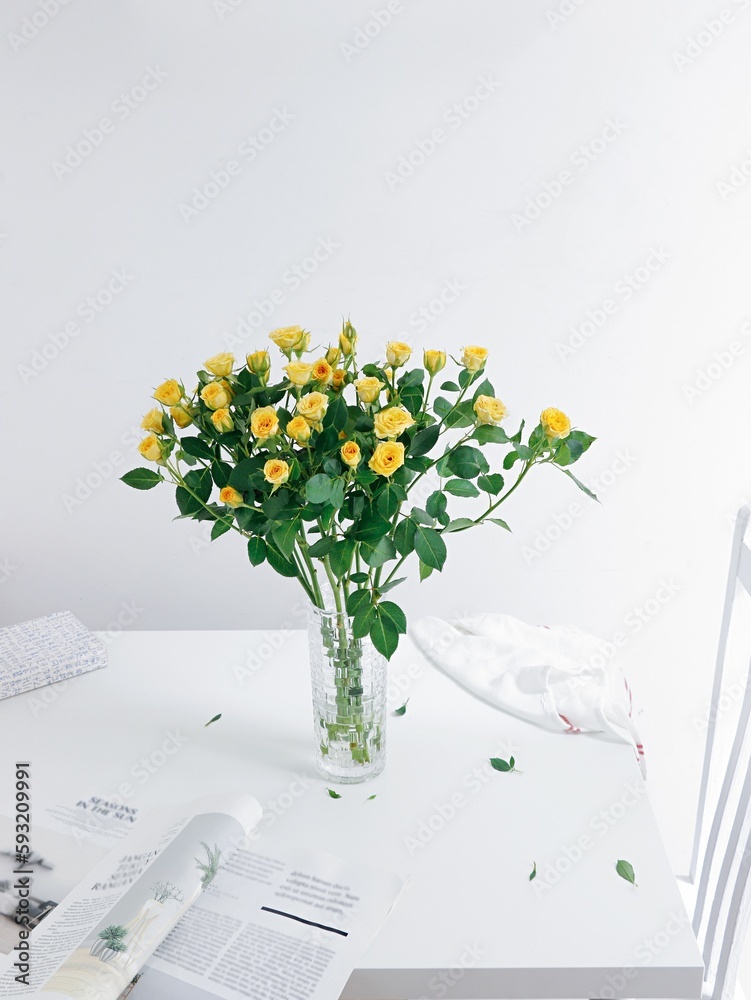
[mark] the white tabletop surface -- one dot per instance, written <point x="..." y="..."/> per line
<point x="469" y="924"/>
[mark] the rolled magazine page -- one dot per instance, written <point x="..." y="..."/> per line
<point x="97" y="939"/>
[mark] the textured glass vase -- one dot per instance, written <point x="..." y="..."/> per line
<point x="349" y="699"/>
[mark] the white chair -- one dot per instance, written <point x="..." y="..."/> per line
<point x="721" y="861"/>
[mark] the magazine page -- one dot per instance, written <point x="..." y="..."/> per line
<point x="278" y="921"/>
<point x="97" y="938"/>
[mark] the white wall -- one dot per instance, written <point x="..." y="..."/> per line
<point x="560" y="71"/>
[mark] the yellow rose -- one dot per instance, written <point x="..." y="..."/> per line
<point x="169" y="393"/>
<point x="230" y="497"/>
<point x="489" y="410"/>
<point x="338" y="379"/>
<point x="299" y="430"/>
<point x="387" y="458"/>
<point x="350" y="454"/>
<point x="312" y="406"/>
<point x="555" y="423"/>
<point x="181" y="416"/>
<point x="434" y="361"/>
<point x="298" y="372"/>
<point x="216" y="395"/>
<point x="276" y="472"/>
<point x="221" y="364"/>
<point x="347" y="340"/>
<point x="392" y="422"/>
<point x="259" y="363"/>
<point x="368" y="389"/>
<point x="322" y="371"/>
<point x="153" y="421"/>
<point x="398" y="353"/>
<point x="264" y="422"/>
<point x="151" y="448"/>
<point x="474" y="357"/>
<point x="288" y="338"/>
<point x="332" y="355"/>
<point x="222" y="420"/>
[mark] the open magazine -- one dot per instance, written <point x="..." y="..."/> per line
<point x="236" y="917"/>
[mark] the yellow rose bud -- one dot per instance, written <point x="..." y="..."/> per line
<point x="298" y="372"/>
<point x="299" y="430"/>
<point x="398" y="353"/>
<point x="369" y="389"/>
<point x="322" y="371"/>
<point x="230" y="497"/>
<point x="332" y="355"/>
<point x="222" y="420"/>
<point x="387" y="458"/>
<point x="169" y="393"/>
<point x="221" y="364"/>
<point x="350" y="454"/>
<point x="555" y="424"/>
<point x="312" y="407"/>
<point x="151" y="448"/>
<point x="489" y="410"/>
<point x="264" y="422"/>
<point x="276" y="472"/>
<point x="153" y="421"/>
<point x="474" y="357"/>
<point x="216" y="395"/>
<point x="259" y="363"/>
<point x="287" y="338"/>
<point x="434" y="361"/>
<point x="338" y="379"/>
<point x="392" y="422"/>
<point x="181" y="416"/>
<point x="348" y="339"/>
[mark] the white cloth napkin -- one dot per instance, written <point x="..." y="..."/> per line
<point x="555" y="677"/>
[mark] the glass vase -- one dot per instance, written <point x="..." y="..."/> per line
<point x="349" y="699"/>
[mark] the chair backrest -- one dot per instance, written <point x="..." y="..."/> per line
<point x="722" y="861"/>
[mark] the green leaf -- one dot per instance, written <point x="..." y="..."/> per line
<point x="625" y="870"/>
<point x="488" y="434"/>
<point x="404" y="536"/>
<point x="384" y="588"/>
<point x="402" y="710"/>
<point x="256" y="550"/>
<point x="583" y="439"/>
<point x="356" y="600"/>
<point x="359" y="577"/>
<point x="363" y="620"/>
<point x="337" y="494"/>
<point x="425" y="571"/>
<point x="533" y="873"/>
<point x="277" y="562"/>
<point x="461" y="488"/>
<point x="199" y="481"/>
<point x="458" y="524"/>
<point x="467" y="462"/>
<point x="285" y="535"/>
<point x="322" y="547"/>
<point x="582" y="487"/>
<point x="318" y="488"/>
<point x="395" y="614"/>
<point x="336" y="414"/>
<point x="492" y="484"/>
<point x="142" y="479"/>
<point x="220" y="528"/>
<point x="420" y="516"/>
<point x="414" y="377"/>
<point x="371" y="526"/>
<point x="449" y="387"/>
<point x="215" y="719"/>
<point x="436" y="504"/>
<point x="384" y="635"/>
<point x="485" y="388"/>
<point x="189" y="506"/>
<point x="411" y="397"/>
<point x="510" y="459"/>
<point x="506" y="766"/>
<point x="197" y="448"/>
<point x="376" y="553"/>
<point x="249" y="520"/>
<point x="220" y="473"/>
<point x="390" y="497"/>
<point x="424" y="440"/>
<point x="499" y="522"/>
<point x="333" y="794"/>
<point x="340" y="558"/>
<point x="370" y="797"/>
<point x="430" y="547"/>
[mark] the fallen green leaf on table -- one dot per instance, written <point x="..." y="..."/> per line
<point x="626" y="871"/>
<point x="504" y="765"/>
<point x="370" y="798"/>
<point x="333" y="794"/>
<point x="533" y="873"/>
<point x="215" y="719"/>
<point x="402" y="710"/>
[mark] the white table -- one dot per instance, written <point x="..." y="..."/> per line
<point x="470" y="924"/>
